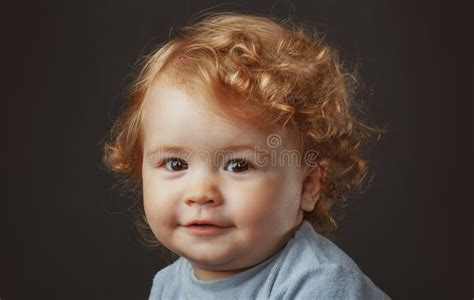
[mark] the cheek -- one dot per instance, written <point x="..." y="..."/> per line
<point x="272" y="201"/>
<point x="253" y="204"/>
<point x="158" y="203"/>
<point x="252" y="209"/>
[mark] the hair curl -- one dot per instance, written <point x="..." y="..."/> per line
<point x="286" y="75"/>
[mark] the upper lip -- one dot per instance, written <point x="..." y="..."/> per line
<point x="194" y="222"/>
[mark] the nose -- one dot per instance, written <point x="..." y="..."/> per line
<point x="204" y="190"/>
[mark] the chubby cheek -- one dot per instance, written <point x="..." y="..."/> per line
<point x="253" y="206"/>
<point x="158" y="205"/>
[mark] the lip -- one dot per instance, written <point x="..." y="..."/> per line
<point x="193" y="227"/>
<point x="194" y="222"/>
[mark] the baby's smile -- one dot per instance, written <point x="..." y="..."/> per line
<point x="206" y="228"/>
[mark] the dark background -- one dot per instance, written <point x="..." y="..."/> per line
<point x="66" y="64"/>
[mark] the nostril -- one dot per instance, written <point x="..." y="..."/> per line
<point x="191" y="201"/>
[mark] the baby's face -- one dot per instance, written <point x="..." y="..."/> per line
<point x="256" y="204"/>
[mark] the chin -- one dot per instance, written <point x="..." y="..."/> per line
<point x="207" y="260"/>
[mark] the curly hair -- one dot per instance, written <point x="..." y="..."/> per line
<point x="286" y="75"/>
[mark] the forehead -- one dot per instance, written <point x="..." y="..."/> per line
<point x="175" y="114"/>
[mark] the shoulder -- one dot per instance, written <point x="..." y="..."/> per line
<point x="309" y="251"/>
<point x="164" y="280"/>
<point x="315" y="267"/>
<point x="333" y="281"/>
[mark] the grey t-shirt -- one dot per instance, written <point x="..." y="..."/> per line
<point x="309" y="266"/>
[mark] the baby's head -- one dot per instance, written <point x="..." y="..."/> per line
<point x="247" y="92"/>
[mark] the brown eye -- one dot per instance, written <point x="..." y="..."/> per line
<point x="238" y="165"/>
<point x="175" y="164"/>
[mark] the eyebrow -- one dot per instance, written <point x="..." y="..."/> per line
<point x="175" y="148"/>
<point x="166" y="148"/>
<point x="240" y="147"/>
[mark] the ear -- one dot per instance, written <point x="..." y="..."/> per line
<point x="312" y="186"/>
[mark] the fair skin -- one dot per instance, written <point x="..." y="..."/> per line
<point x="261" y="205"/>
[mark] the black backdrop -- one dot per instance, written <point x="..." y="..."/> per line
<point x="65" y="65"/>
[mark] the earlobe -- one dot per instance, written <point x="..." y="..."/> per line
<point x="308" y="202"/>
<point x="312" y="187"/>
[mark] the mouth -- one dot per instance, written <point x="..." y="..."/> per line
<point x="204" y="223"/>
<point x="206" y="228"/>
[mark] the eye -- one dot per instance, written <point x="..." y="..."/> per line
<point x="174" y="164"/>
<point x="238" y="165"/>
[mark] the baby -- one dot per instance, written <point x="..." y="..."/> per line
<point x="240" y="136"/>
